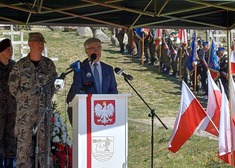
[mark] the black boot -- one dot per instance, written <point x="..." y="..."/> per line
<point x="1" y="162"/>
<point x="9" y="162"/>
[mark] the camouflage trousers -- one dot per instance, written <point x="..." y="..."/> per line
<point x="174" y="63"/>
<point x="26" y="141"/>
<point x="7" y="136"/>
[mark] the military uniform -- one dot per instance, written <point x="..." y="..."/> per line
<point x="223" y="68"/>
<point x="120" y="36"/>
<point x="149" y="48"/>
<point x="204" y="72"/>
<point x="175" y="54"/>
<point x="200" y="54"/>
<point x="7" y="115"/>
<point x="185" y="55"/>
<point x="26" y="81"/>
<point x="165" y="59"/>
<point x="203" y="56"/>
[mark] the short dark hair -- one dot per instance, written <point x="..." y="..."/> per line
<point x="91" y="40"/>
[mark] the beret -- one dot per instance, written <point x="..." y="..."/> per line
<point x="221" y="49"/>
<point x="4" y="44"/>
<point x="205" y="43"/>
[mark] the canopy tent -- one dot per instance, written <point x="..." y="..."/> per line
<point x="191" y="14"/>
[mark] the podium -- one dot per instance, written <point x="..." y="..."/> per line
<point x="100" y="130"/>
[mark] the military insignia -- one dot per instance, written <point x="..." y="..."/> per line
<point x="102" y="147"/>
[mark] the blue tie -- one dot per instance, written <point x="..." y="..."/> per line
<point x="97" y="79"/>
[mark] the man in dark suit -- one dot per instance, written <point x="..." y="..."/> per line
<point x="85" y="81"/>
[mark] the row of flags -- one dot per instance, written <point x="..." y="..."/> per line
<point x="212" y="64"/>
<point x="182" y="35"/>
<point x="215" y="120"/>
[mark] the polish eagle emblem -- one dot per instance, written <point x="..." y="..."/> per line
<point x="104" y="114"/>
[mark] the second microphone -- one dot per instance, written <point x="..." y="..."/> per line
<point x="122" y="72"/>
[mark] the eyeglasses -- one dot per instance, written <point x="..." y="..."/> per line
<point x="93" y="49"/>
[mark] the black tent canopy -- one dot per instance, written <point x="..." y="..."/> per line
<point x="191" y="14"/>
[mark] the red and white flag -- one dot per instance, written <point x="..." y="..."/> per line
<point x="158" y="36"/>
<point x="232" y="58"/>
<point x="232" y="92"/>
<point x="211" y="123"/>
<point x="225" y="141"/>
<point x="182" y="35"/>
<point x="190" y="115"/>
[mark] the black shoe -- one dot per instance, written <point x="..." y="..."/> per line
<point x="165" y="72"/>
<point x="151" y="63"/>
<point x="137" y="56"/>
<point x="146" y="61"/>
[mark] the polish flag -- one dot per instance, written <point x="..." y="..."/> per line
<point x="232" y="87"/>
<point x="190" y="115"/>
<point x="211" y="123"/>
<point x="225" y="140"/>
<point x="157" y="36"/>
<point x="182" y="35"/>
<point x="232" y="58"/>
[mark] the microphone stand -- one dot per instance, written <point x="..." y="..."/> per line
<point x="152" y="114"/>
<point x="46" y="115"/>
<point x="43" y="91"/>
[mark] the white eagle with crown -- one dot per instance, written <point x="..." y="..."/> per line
<point x="104" y="112"/>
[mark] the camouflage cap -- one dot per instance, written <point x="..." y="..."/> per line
<point x="36" y="37"/>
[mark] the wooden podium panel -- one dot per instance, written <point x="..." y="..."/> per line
<point x="100" y="130"/>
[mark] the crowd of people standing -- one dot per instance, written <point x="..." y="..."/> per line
<point x="171" y="52"/>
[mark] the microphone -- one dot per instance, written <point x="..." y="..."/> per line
<point x="93" y="57"/>
<point x="59" y="82"/>
<point x="86" y="86"/>
<point x="75" y="65"/>
<point x="122" y="72"/>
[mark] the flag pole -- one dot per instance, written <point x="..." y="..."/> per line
<point x="142" y="48"/>
<point x="160" y="55"/>
<point x="195" y="78"/>
<point x="207" y="114"/>
<point x="230" y="92"/>
<point x="195" y="69"/>
<point x="180" y="61"/>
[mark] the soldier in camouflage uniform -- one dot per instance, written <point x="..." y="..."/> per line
<point x="28" y="76"/>
<point x="186" y="51"/>
<point x="165" y="59"/>
<point x="174" y="53"/>
<point x="7" y="107"/>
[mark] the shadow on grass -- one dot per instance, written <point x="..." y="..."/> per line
<point x="111" y="51"/>
<point x="111" y="57"/>
<point x="152" y="68"/>
<point x="124" y="62"/>
<point x="175" y="93"/>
